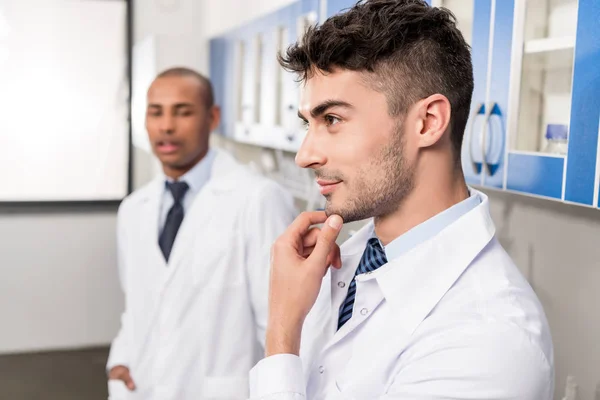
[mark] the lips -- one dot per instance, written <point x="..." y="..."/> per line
<point x="327" y="187"/>
<point x="167" y="147"/>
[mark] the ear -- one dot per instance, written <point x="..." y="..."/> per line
<point x="215" y="117"/>
<point x="434" y="113"/>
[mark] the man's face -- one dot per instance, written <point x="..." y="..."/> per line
<point x="362" y="160"/>
<point x="178" y="122"/>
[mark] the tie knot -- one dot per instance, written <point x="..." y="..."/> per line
<point x="373" y="257"/>
<point x="178" y="190"/>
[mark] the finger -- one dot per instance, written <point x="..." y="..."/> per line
<point x="336" y="257"/>
<point x="128" y="381"/>
<point x="333" y="259"/>
<point x="116" y="373"/>
<point x="310" y="239"/>
<point x="303" y="222"/>
<point x="326" y="241"/>
<point x="307" y="251"/>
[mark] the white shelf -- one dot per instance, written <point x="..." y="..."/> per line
<point x="536" y="154"/>
<point x="549" y="44"/>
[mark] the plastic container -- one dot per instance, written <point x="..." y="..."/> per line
<point x="557" y="137"/>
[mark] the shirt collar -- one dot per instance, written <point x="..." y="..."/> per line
<point x="199" y="174"/>
<point x="429" y="228"/>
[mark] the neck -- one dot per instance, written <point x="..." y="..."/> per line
<point x="176" y="172"/>
<point x="428" y="198"/>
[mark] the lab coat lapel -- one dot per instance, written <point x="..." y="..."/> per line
<point x="414" y="283"/>
<point x="204" y="209"/>
<point x="197" y="216"/>
<point x="149" y="273"/>
<point x="352" y="252"/>
<point x="150" y="229"/>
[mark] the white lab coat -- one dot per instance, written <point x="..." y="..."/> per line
<point x="192" y="329"/>
<point x="450" y="319"/>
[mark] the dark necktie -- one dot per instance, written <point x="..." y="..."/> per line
<point x="174" y="218"/>
<point x="373" y="258"/>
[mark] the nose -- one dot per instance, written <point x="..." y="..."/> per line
<point x="311" y="154"/>
<point x="167" y="124"/>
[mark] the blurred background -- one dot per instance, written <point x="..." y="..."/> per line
<point x="73" y="79"/>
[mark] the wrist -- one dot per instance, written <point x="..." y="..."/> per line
<point x="283" y="338"/>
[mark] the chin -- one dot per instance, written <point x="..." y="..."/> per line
<point x="172" y="161"/>
<point x="349" y="211"/>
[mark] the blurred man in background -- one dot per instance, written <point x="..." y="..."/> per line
<point x="193" y="257"/>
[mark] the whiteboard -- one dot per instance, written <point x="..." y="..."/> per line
<point x="64" y="90"/>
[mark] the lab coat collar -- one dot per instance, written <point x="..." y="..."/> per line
<point x="222" y="177"/>
<point x="416" y="281"/>
<point x="222" y="180"/>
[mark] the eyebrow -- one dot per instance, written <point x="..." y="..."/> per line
<point x="324" y="106"/>
<point x="177" y="105"/>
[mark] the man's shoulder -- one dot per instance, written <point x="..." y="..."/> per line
<point x="254" y="187"/>
<point x="493" y="293"/>
<point x="138" y="196"/>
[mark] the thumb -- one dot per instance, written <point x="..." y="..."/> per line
<point x="329" y="233"/>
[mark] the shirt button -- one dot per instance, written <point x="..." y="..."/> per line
<point x="341" y="284"/>
<point x="321" y="369"/>
<point x="364" y="311"/>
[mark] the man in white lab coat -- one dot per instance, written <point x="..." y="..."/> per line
<point x="423" y="302"/>
<point x="193" y="258"/>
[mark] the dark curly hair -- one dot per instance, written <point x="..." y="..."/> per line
<point x="407" y="49"/>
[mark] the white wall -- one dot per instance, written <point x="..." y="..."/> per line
<point x="58" y="280"/>
<point x="222" y="15"/>
<point x="556" y="247"/>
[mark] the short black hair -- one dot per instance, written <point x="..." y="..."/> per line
<point x="206" y="84"/>
<point x="408" y="50"/>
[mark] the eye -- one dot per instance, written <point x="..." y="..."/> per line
<point x="304" y="123"/>
<point x="185" y="113"/>
<point x="331" y="120"/>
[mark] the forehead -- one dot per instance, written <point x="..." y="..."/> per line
<point x="344" y="85"/>
<point x="175" y="89"/>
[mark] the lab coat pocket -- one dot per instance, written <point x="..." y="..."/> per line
<point x="230" y="388"/>
<point x="117" y="390"/>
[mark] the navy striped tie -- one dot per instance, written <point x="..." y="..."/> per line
<point x="373" y="258"/>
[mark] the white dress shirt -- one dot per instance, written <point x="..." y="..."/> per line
<point x="449" y="318"/>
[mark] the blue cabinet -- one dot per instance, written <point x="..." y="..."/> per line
<point x="484" y="147"/>
<point x="534" y="118"/>
<point x="259" y="99"/>
<point x="473" y="155"/>
<point x="553" y="135"/>
<point x="582" y="169"/>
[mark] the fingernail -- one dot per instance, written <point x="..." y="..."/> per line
<point x="335" y="221"/>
